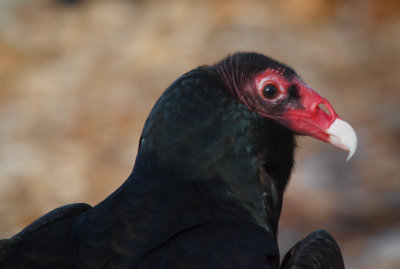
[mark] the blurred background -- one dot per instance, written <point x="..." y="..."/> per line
<point x="79" y="77"/>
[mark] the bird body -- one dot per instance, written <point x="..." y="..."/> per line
<point x="207" y="186"/>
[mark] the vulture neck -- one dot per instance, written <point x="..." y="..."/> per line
<point x="222" y="173"/>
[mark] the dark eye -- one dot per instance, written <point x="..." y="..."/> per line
<point x="270" y="91"/>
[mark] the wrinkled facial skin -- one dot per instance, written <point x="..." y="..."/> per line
<point x="287" y="98"/>
<point x="289" y="101"/>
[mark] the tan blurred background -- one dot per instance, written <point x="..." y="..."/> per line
<point x="78" y="78"/>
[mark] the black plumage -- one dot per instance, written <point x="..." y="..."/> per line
<point x="317" y="250"/>
<point x="205" y="192"/>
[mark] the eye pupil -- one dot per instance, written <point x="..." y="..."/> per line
<point x="270" y="91"/>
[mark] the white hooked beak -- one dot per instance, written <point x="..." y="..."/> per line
<point x="343" y="136"/>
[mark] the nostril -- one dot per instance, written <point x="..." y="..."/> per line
<point x="325" y="109"/>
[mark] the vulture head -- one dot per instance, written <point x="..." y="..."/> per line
<point x="275" y="91"/>
<point x="231" y="127"/>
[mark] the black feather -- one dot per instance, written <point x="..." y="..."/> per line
<point x="317" y="251"/>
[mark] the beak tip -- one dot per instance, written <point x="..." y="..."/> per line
<point x="351" y="153"/>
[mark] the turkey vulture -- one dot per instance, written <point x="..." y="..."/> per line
<point x="215" y="155"/>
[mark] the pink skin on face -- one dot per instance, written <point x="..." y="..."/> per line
<point x="306" y="117"/>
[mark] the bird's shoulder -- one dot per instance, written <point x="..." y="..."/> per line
<point x="43" y="242"/>
<point x="55" y="215"/>
<point x="318" y="250"/>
